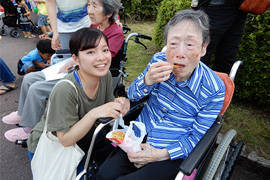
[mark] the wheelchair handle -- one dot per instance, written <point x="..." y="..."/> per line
<point x="139" y="35"/>
<point x="144" y="36"/>
<point x="126" y="28"/>
<point x="105" y="120"/>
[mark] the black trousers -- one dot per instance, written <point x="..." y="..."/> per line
<point x="227" y="25"/>
<point x="117" y="166"/>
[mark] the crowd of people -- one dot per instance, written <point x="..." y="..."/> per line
<point x="185" y="95"/>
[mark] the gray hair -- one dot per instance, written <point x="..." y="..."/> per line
<point x="198" y="18"/>
<point x="110" y="7"/>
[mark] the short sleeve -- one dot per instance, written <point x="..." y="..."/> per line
<point x="62" y="112"/>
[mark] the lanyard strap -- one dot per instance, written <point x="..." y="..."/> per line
<point x="76" y="76"/>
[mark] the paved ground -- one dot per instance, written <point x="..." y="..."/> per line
<point x="14" y="162"/>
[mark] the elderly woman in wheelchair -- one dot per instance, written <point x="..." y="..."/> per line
<point x="185" y="98"/>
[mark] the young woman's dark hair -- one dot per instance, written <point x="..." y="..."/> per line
<point x="85" y="38"/>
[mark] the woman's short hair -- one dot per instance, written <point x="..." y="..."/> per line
<point x="110" y="7"/>
<point x="198" y="18"/>
<point x="85" y="38"/>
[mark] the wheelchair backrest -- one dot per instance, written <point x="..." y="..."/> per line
<point x="229" y="90"/>
<point x="115" y="65"/>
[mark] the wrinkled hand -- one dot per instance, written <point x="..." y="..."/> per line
<point x="147" y="155"/>
<point x="55" y="42"/>
<point x="119" y="24"/>
<point x="158" y="72"/>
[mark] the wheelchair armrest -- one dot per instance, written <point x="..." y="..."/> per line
<point x="194" y="158"/>
<point x="134" y="104"/>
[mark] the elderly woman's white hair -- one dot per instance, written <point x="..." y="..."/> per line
<point x="110" y="7"/>
<point x="199" y="18"/>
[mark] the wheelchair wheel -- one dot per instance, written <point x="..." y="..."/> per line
<point x="220" y="157"/>
<point x="231" y="163"/>
<point x="14" y="33"/>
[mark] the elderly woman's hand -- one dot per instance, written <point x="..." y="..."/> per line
<point x="158" y="72"/>
<point x="147" y="155"/>
<point x="119" y="24"/>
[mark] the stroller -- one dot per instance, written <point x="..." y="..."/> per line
<point x="12" y="19"/>
<point x="207" y="161"/>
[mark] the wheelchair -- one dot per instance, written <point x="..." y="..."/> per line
<point x="208" y="160"/>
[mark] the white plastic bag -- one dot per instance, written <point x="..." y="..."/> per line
<point x="132" y="139"/>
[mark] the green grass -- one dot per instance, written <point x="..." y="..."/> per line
<point x="138" y="56"/>
<point x="251" y="124"/>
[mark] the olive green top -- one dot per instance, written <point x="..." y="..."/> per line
<point x="63" y="112"/>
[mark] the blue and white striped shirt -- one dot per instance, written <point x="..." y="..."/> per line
<point x="178" y="114"/>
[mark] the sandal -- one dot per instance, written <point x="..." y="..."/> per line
<point x="9" y="88"/>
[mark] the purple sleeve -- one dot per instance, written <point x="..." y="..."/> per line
<point x="115" y="37"/>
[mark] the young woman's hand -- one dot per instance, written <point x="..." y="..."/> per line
<point x="125" y="103"/>
<point x="111" y="109"/>
<point x="82" y="127"/>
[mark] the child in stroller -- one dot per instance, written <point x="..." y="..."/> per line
<point x="12" y="19"/>
<point x="24" y="17"/>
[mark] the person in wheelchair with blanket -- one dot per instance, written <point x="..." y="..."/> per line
<point x="185" y="98"/>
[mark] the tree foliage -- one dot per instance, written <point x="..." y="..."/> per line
<point x="253" y="80"/>
<point x="142" y="9"/>
<point x="166" y="11"/>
